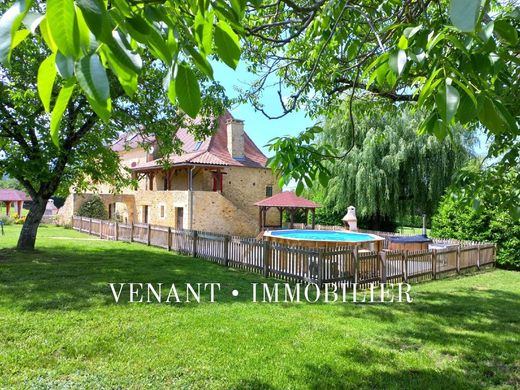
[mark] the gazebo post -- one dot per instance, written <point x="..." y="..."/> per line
<point x="313" y="213"/>
<point x="19" y="206"/>
<point x="8" y="208"/>
<point x="306" y="216"/>
<point x="292" y="218"/>
<point x="260" y="224"/>
<point x="264" y="218"/>
<point x="280" y="209"/>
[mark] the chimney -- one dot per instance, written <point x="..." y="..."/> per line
<point x="235" y="138"/>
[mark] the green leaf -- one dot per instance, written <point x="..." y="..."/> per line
<point x="403" y="43"/>
<point x="9" y="24"/>
<point x="65" y="66"/>
<point x="46" y="78"/>
<point x="102" y="109"/>
<point x="464" y="14"/>
<point x="506" y="31"/>
<point x="397" y="61"/>
<point x="92" y="78"/>
<point x="188" y="91"/>
<point x="323" y="178"/>
<point x="204" y="32"/>
<point x="201" y="62"/>
<point x="227" y="44"/>
<point x="61" y="16"/>
<point x="97" y="18"/>
<point x="447" y="101"/>
<point x="59" y="108"/>
<point x="411" y="31"/>
<point x="299" y="188"/>
<point x="47" y="37"/>
<point x="82" y="30"/>
<point x="467" y="111"/>
<point x="32" y="20"/>
<point x="489" y="115"/>
<point x="127" y="77"/>
<point x="121" y="52"/>
<point x="18" y="37"/>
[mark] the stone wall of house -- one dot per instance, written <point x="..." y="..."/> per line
<point x="246" y="186"/>
<point x="212" y="212"/>
<point x="169" y="201"/>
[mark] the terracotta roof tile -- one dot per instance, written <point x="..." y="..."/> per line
<point x="212" y="150"/>
<point x="13" y="195"/>
<point x="287" y="199"/>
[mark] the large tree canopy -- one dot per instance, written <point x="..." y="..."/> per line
<point x="88" y="40"/>
<point x="457" y="60"/>
<point x="391" y="172"/>
<point x="80" y="155"/>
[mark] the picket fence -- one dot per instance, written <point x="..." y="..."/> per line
<point x="300" y="264"/>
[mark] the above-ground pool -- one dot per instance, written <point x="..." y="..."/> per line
<point x="325" y="238"/>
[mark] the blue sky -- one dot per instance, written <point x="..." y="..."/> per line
<point x="262" y="129"/>
<point x="257" y="126"/>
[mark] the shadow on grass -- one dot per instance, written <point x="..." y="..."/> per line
<point x="64" y="279"/>
<point x="480" y="329"/>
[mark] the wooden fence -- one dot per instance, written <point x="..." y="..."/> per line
<point x="298" y="264"/>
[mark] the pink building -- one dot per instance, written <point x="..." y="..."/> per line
<point x="13" y="197"/>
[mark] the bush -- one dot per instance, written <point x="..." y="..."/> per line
<point x="6" y="220"/>
<point x="19" y="220"/>
<point x="455" y="219"/>
<point x="93" y="208"/>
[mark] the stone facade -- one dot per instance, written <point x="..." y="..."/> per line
<point x="228" y="177"/>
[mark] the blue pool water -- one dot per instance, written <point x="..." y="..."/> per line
<point x="322" y="235"/>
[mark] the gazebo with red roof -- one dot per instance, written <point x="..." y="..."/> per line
<point x="13" y="196"/>
<point x="286" y="201"/>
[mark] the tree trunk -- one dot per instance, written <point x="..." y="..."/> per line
<point x="32" y="222"/>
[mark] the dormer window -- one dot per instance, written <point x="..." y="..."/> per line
<point x="197" y="146"/>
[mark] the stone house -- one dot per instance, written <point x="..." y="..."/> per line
<point x="212" y="186"/>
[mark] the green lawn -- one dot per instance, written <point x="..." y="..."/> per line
<point x="59" y="327"/>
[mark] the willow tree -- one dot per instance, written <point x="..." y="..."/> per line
<point x="456" y="60"/>
<point x="391" y="172"/>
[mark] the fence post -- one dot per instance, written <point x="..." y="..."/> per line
<point x="194" y="248"/>
<point x="267" y="257"/>
<point x="132" y="232"/>
<point x="478" y="257"/>
<point x="148" y="233"/>
<point x="434" y="264"/>
<point x="226" y="250"/>
<point x="405" y="265"/>
<point x="169" y="240"/>
<point x="320" y="267"/>
<point x="116" y="231"/>
<point x="382" y="259"/>
<point x="90" y="226"/>
<point x="101" y="229"/>
<point x="458" y="259"/>
<point x="355" y="257"/>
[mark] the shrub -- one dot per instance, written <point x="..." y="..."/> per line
<point x="6" y="220"/>
<point x="19" y="220"/>
<point x="455" y="219"/>
<point x="93" y="208"/>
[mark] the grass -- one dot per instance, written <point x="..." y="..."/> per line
<point x="59" y="327"/>
<point x="411" y="230"/>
